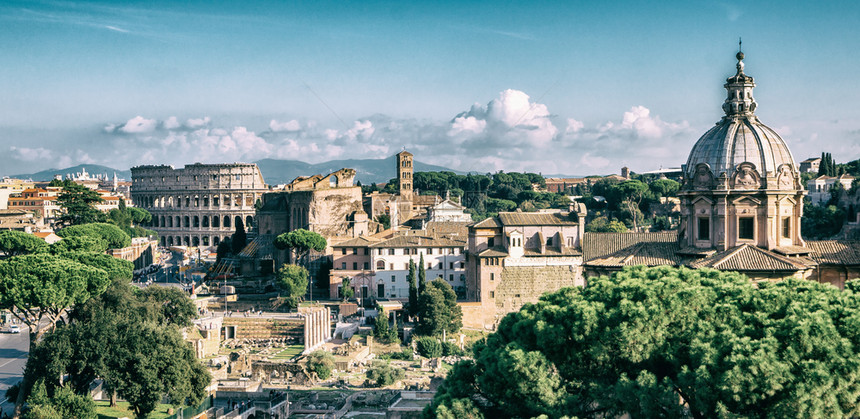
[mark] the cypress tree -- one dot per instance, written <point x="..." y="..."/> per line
<point x="422" y="276"/>
<point x="413" y="289"/>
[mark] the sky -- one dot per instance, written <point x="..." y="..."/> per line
<point x="554" y="87"/>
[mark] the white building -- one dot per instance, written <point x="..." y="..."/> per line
<point x="820" y="187"/>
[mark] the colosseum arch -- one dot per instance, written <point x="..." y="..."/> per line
<point x="205" y="221"/>
<point x="216" y="241"/>
<point x="196" y="222"/>
<point x="237" y="220"/>
<point x="186" y="221"/>
<point x="249" y="221"/>
<point x="195" y="241"/>
<point x="226" y="221"/>
<point x="206" y="240"/>
<point x="216" y="221"/>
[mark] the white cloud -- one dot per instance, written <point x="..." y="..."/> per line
<point x="195" y="123"/>
<point x="31" y="154"/>
<point x="138" y="124"/>
<point x="574" y="126"/>
<point x="170" y="123"/>
<point x="289" y="126"/>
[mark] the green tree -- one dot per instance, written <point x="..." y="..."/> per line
<point x="14" y="243"/>
<point x="671" y="342"/>
<point x="382" y="331"/>
<point x="79" y="244"/>
<point x="422" y="278"/>
<point x="346" y="289"/>
<point x="664" y="187"/>
<point x="240" y="237"/>
<point x="292" y="280"/>
<point x="302" y="242"/>
<point x="38" y="290"/>
<point x="111" y="234"/>
<point x="385" y="220"/>
<point x="603" y="225"/>
<point x="79" y="205"/>
<point x="131" y="339"/>
<point x="821" y="222"/>
<point x="429" y="347"/>
<point x="439" y="309"/>
<point x="631" y="193"/>
<point x="116" y="269"/>
<point x="322" y="363"/>
<point x="413" y="290"/>
<point x="64" y="403"/>
<point x="384" y="374"/>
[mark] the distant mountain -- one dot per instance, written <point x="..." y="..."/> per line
<point x="366" y="170"/>
<point x="274" y="171"/>
<point x="92" y="169"/>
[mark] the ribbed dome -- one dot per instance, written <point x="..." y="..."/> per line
<point x="739" y="137"/>
<point x="737" y="140"/>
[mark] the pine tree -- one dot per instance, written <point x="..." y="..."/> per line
<point x="413" y="289"/>
<point x="422" y="276"/>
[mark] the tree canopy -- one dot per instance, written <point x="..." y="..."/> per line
<point x="111" y="234"/>
<point x="14" y="243"/>
<point x="669" y="342"/>
<point x="292" y="280"/>
<point x="79" y="205"/>
<point x="131" y="339"/>
<point x="438" y="309"/>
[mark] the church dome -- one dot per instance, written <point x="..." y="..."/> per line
<point x="739" y="137"/>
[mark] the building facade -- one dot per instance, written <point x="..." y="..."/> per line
<point x="200" y="204"/>
<point x="377" y="265"/>
<point x="516" y="257"/>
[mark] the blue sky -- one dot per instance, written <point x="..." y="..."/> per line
<point x="575" y="87"/>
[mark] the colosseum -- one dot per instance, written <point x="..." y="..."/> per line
<point x="198" y="205"/>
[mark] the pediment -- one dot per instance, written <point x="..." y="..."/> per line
<point x="698" y="199"/>
<point x="746" y="200"/>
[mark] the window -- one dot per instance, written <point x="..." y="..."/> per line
<point x="393" y="278"/>
<point x="786" y="227"/>
<point x="391" y="266"/>
<point x="354" y="266"/>
<point x="451" y="277"/>
<point x="462" y="265"/>
<point x="492" y="276"/>
<point x="430" y="251"/>
<point x="354" y="251"/>
<point x="343" y="251"/>
<point x="365" y="251"/>
<point x="549" y="241"/>
<point x="406" y="266"/>
<point x="380" y="265"/>
<point x="746" y="228"/>
<point x="492" y="294"/>
<point x="491" y="242"/>
<point x="704" y="229"/>
<point x="429" y="265"/>
<point x="451" y="265"/>
<point x="343" y="265"/>
<point x="391" y="252"/>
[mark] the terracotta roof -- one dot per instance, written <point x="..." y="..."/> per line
<point x="536" y="218"/>
<point x="747" y="257"/>
<point x="12" y="212"/>
<point x="492" y="222"/>
<point x="420" y="241"/>
<point x="552" y="251"/>
<point x="649" y="254"/>
<point x="491" y="252"/>
<point x="448" y="227"/>
<point x="426" y="200"/>
<point x="835" y="252"/>
<point x="356" y="242"/>
<point x="599" y="245"/>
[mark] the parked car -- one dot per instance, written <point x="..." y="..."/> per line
<point x="14" y="329"/>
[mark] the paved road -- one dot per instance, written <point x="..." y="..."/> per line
<point x="13" y="357"/>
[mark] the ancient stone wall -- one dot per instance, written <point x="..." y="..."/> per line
<point x="200" y="204"/>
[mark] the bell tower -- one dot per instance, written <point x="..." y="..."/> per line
<point x="404" y="175"/>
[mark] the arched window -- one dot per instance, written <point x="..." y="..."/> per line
<point x="380" y="265"/>
<point x="195" y="241"/>
<point x="237" y="220"/>
<point x="216" y="240"/>
<point x="206" y="240"/>
<point x="226" y="221"/>
<point x="249" y="221"/>
<point x="187" y="223"/>
<point x="216" y="221"/>
<point x="205" y="221"/>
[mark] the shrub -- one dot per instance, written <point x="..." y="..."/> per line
<point x="322" y="363"/>
<point x="451" y="349"/>
<point x="429" y="347"/>
<point x="383" y="374"/>
<point x="404" y="355"/>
